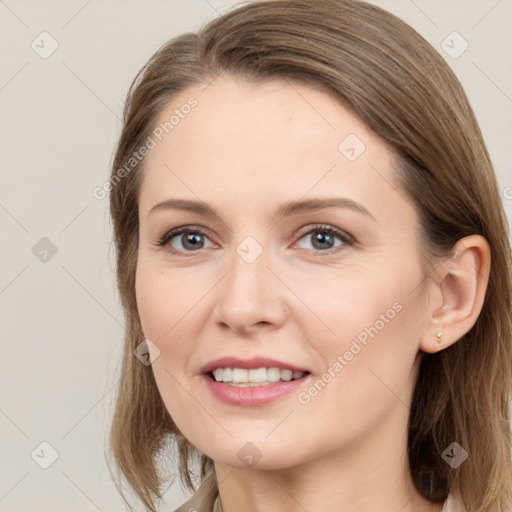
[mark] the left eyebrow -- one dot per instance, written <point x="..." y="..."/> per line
<point x="307" y="205"/>
<point x="285" y="210"/>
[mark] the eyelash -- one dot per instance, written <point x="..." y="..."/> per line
<point x="344" y="237"/>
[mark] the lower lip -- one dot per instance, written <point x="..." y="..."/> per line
<point x="252" y="396"/>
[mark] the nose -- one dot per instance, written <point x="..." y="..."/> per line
<point x="250" y="297"/>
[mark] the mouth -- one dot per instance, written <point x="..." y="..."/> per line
<point x="255" y="377"/>
<point x="252" y="382"/>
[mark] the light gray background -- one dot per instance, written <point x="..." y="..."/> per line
<point x="61" y="319"/>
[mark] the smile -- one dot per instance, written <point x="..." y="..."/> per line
<point x="236" y="386"/>
<point x="241" y="377"/>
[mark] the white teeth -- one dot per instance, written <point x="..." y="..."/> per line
<point x="286" y="375"/>
<point x="254" y="377"/>
<point x="240" y="375"/>
<point x="258" y="375"/>
<point x="273" y="374"/>
<point x="226" y="374"/>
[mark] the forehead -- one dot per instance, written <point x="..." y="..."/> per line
<point x="260" y="142"/>
<point x="275" y="115"/>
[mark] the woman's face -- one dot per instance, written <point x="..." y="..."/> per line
<point x="336" y="291"/>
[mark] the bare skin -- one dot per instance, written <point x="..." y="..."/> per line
<point x="246" y="149"/>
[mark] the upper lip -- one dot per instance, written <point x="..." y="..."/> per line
<point x="252" y="363"/>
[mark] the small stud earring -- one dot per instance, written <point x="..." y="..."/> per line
<point x="439" y="336"/>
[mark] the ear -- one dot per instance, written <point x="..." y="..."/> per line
<point x="457" y="292"/>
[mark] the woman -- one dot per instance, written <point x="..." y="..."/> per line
<point x="313" y="261"/>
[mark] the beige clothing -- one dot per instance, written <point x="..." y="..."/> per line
<point x="206" y="499"/>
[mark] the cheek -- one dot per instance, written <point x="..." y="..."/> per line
<point x="171" y="314"/>
<point x="367" y="376"/>
<point x="355" y="304"/>
<point x="164" y="301"/>
<point x="372" y="342"/>
<point x="162" y="312"/>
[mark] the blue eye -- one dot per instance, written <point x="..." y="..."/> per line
<point x="190" y="239"/>
<point x="323" y="239"/>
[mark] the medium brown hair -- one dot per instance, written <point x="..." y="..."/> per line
<point x="396" y="82"/>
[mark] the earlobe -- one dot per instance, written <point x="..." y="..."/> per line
<point x="460" y="286"/>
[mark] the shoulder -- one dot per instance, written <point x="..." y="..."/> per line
<point x="204" y="498"/>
